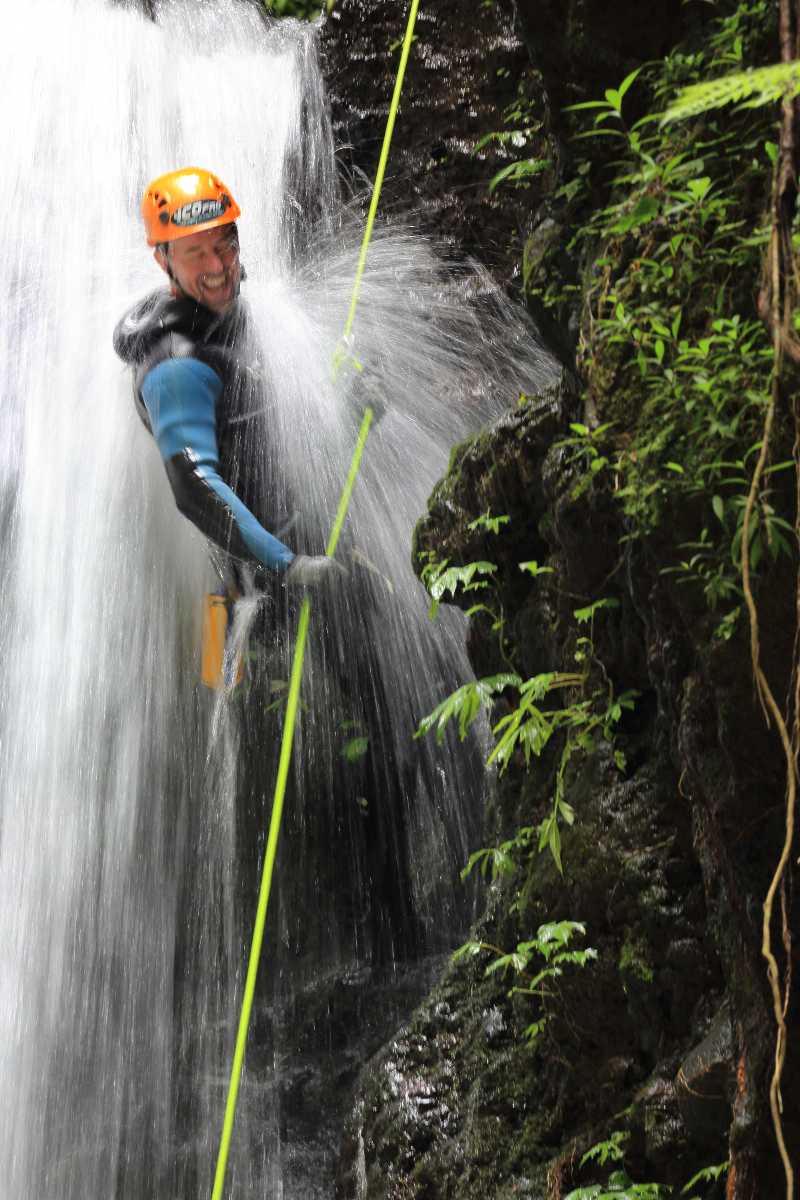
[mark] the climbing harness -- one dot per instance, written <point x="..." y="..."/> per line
<point x="300" y="644"/>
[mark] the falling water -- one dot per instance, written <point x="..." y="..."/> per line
<point x="132" y="801"/>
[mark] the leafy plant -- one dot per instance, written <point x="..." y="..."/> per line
<point x="465" y="704"/>
<point x="440" y="578"/>
<point x="522" y="124"/>
<point x="677" y="362"/>
<point x="610" y="107"/>
<point x="620" y="1186"/>
<point x="528" y="728"/>
<point x="488" y="522"/>
<point x="611" y="1150"/>
<point x="585" y="452"/>
<point x="552" y="946"/>
<point x="522" y="169"/>
<point x="754" y="87"/>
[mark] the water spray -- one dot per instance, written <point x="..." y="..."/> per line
<point x="340" y="356"/>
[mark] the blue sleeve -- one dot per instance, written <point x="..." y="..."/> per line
<point x="181" y="397"/>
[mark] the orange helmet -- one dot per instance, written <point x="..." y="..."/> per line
<point x="184" y="202"/>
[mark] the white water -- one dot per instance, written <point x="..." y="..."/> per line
<point x="118" y="808"/>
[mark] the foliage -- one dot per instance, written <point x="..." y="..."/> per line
<point x="355" y="748"/>
<point x="488" y="522"/>
<point x="465" y="704"/>
<point x="552" y="945"/>
<point x="522" y="125"/>
<point x="670" y="222"/>
<point x="621" y="1187"/>
<point x="303" y="10"/>
<point x="611" y="1150"/>
<point x="753" y="87"/>
<point x="515" y="171"/>
<point x="585" y="452"/>
<point x="677" y="360"/>
<point x="441" y="578"/>
<point x="707" y="1175"/>
<point x="585" y="716"/>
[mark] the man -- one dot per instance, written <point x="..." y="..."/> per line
<point x="197" y="391"/>
<point x="194" y="387"/>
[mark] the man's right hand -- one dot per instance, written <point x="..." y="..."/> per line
<point x="318" y="572"/>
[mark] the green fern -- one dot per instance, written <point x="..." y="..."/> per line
<point x="752" y="89"/>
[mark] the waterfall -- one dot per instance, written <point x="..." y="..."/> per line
<point x="133" y="801"/>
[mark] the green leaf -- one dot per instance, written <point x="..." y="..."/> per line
<point x="582" y="615"/>
<point x="550" y="839"/>
<point x="355" y="748"/>
<point x="558" y="933"/>
<point x="698" y="188"/>
<point x="627" y="82"/>
<point x="445" y="578"/>
<point x="515" y="171"/>
<point x="566" y="812"/>
<point x="488" y="522"/>
<point x="465" y="703"/>
<point x="706" y="1175"/>
<point x="646" y="209"/>
<point x="533" y="1030"/>
<point x="534" y="569"/>
<point x="586" y="104"/>
<point x="718" y="505"/>
<point x="757" y="86"/>
<point x="514" y="962"/>
<point x="468" y="950"/>
<point x="611" y="1150"/>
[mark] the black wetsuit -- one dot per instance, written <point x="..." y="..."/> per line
<point x="200" y="393"/>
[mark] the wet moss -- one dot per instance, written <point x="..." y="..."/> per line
<point x="634" y="963"/>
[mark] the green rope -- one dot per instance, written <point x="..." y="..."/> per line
<point x="384" y="158"/>
<point x="299" y="654"/>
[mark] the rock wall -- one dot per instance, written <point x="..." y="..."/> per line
<point x="668" y="1037"/>
<point x="469" y="64"/>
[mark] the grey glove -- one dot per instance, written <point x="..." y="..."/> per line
<point x="316" y="571"/>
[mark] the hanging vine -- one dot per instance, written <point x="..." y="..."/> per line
<point x="777" y="302"/>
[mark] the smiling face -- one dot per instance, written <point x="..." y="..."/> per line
<point x="204" y="266"/>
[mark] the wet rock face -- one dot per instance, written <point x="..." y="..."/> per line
<point x="465" y="70"/>
<point x="668" y="1035"/>
<point x="460" y="1104"/>
<point x="672" y="1022"/>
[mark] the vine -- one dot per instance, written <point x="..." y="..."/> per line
<point x="780" y="297"/>
<point x="777" y="306"/>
